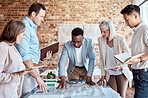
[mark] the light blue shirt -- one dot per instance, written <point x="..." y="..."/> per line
<point x="29" y="47"/>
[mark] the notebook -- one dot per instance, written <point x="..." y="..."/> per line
<point x="125" y="57"/>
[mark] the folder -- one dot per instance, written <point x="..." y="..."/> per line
<point x="54" y="48"/>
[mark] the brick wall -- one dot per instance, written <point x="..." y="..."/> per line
<point x="68" y="12"/>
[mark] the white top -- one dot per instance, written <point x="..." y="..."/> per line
<point x="110" y="61"/>
<point x="79" y="62"/>
<point x="10" y="61"/>
<point x="140" y="44"/>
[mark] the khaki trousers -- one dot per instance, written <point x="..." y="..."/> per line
<point x="78" y="74"/>
<point x="119" y="84"/>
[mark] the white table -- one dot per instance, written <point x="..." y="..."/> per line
<point x="80" y="90"/>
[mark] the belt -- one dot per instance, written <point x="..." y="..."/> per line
<point x="141" y="70"/>
<point x="80" y="67"/>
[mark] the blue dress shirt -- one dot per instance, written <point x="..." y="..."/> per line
<point x="29" y="47"/>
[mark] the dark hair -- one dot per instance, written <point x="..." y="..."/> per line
<point x="77" y="31"/>
<point x="129" y="9"/>
<point x="12" y="30"/>
<point x="36" y="7"/>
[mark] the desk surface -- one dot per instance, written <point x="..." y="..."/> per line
<point x="80" y="90"/>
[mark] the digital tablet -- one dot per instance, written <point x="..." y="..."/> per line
<point x="54" y="48"/>
<point x="30" y="69"/>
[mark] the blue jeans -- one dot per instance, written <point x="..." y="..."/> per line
<point x="141" y="84"/>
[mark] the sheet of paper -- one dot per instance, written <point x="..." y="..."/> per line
<point x="110" y="93"/>
<point x="80" y="90"/>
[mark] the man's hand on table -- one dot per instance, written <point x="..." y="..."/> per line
<point x="62" y="83"/>
<point x="41" y="84"/>
<point x="89" y="81"/>
<point x="34" y="73"/>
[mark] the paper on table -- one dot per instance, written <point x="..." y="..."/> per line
<point x="110" y="93"/>
<point x="80" y="90"/>
<point x="52" y="91"/>
<point x="46" y="96"/>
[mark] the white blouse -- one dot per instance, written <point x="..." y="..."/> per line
<point x="110" y="61"/>
<point x="10" y="61"/>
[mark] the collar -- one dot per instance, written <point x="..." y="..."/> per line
<point x="8" y="43"/>
<point x="115" y="36"/>
<point x="139" y="26"/>
<point x="30" y="22"/>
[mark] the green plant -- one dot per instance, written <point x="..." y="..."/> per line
<point x="51" y="75"/>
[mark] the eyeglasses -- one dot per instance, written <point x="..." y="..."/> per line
<point x="78" y="42"/>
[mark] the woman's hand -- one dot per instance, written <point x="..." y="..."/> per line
<point x="101" y="79"/>
<point x="117" y="68"/>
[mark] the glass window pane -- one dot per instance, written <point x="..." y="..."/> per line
<point x="144" y="12"/>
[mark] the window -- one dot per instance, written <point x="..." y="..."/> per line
<point x="144" y="10"/>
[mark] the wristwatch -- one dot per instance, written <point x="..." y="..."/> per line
<point x="140" y="59"/>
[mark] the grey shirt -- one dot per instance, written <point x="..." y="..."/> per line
<point x="139" y="44"/>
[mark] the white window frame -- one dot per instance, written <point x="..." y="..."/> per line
<point x="144" y="11"/>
